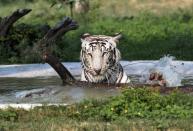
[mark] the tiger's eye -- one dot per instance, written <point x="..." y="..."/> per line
<point x="89" y="54"/>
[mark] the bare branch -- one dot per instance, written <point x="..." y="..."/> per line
<point x="7" y="22"/>
<point x="56" y="32"/>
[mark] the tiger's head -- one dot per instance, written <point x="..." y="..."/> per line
<point x="99" y="53"/>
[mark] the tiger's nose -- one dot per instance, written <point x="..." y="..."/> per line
<point x="97" y="71"/>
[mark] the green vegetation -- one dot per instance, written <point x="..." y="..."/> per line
<point x="150" y="28"/>
<point x="146" y="35"/>
<point x="139" y="108"/>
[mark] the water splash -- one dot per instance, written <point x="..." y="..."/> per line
<point x="168" y="70"/>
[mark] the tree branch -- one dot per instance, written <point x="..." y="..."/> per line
<point x="54" y="62"/>
<point x="56" y="32"/>
<point x="7" y="22"/>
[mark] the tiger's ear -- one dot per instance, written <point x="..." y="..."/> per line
<point x="83" y="38"/>
<point x="117" y="37"/>
<point x="84" y="41"/>
<point x="85" y="35"/>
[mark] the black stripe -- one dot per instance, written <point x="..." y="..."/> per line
<point x="85" y="74"/>
<point x="121" y="69"/>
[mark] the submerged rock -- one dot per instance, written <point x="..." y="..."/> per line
<point x="34" y="93"/>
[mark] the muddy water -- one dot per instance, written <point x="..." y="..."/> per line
<point x="19" y="81"/>
<point x="13" y="90"/>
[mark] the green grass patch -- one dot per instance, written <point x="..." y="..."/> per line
<point x="134" y="108"/>
<point x="146" y="36"/>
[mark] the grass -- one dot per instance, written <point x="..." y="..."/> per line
<point x="146" y="36"/>
<point x="150" y="28"/>
<point x="136" y="109"/>
<point x="134" y="7"/>
<point x="55" y="124"/>
<point x="122" y="8"/>
<point x="39" y="14"/>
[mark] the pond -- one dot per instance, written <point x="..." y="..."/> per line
<point x="18" y="80"/>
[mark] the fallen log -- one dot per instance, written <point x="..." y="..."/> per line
<point x="63" y="27"/>
<point x="7" y="22"/>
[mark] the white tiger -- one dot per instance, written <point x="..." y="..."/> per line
<point x="100" y="59"/>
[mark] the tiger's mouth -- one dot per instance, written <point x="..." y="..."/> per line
<point x="99" y="78"/>
<point x="93" y="73"/>
<point x="100" y="73"/>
